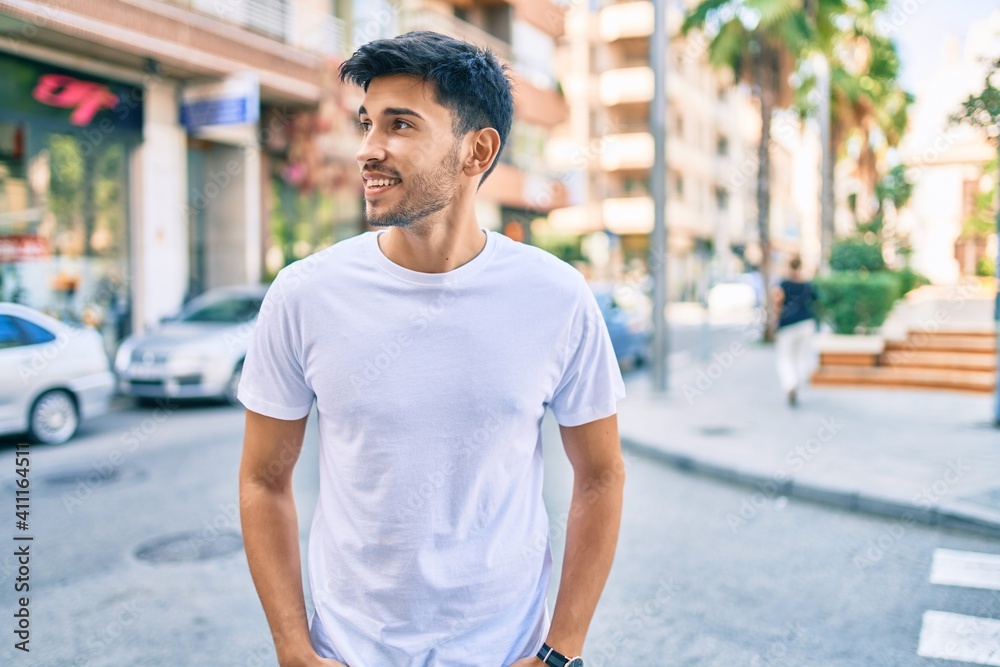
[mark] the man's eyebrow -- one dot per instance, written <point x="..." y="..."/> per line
<point x="393" y="111"/>
<point x="401" y="111"/>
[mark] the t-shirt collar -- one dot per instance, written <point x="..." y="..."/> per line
<point x="448" y="278"/>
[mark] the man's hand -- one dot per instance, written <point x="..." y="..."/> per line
<point x="528" y="662"/>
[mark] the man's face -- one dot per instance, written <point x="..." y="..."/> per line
<point x="409" y="156"/>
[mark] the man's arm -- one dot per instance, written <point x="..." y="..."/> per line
<point x="271" y="533"/>
<point x="594" y="451"/>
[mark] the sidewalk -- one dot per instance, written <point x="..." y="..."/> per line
<point x="919" y="456"/>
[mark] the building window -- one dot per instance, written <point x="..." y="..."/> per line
<point x="721" y="198"/>
<point x="679" y="185"/>
<point x="722" y="146"/>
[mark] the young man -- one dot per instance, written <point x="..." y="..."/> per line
<point x="432" y="349"/>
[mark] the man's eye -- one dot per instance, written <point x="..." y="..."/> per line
<point x="364" y="126"/>
<point x="402" y="125"/>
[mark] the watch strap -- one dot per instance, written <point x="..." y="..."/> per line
<point x="552" y="657"/>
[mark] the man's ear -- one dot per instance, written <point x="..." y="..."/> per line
<point x="485" y="148"/>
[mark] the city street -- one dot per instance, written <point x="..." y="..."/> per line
<point x="137" y="561"/>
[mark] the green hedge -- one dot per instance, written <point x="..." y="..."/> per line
<point x="848" y="300"/>
<point x="855" y="254"/>
<point x="910" y="280"/>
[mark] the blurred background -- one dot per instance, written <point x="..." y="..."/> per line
<point x="162" y="160"/>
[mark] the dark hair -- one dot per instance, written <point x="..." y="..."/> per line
<point x="795" y="264"/>
<point x="468" y="80"/>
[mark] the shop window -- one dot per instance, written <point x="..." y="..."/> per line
<point x="63" y="227"/>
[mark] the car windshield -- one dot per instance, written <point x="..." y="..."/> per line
<point x="228" y="310"/>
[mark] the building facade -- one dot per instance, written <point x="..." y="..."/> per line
<point x="947" y="162"/>
<point x="713" y="129"/>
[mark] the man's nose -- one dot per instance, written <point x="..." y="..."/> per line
<point x="372" y="148"/>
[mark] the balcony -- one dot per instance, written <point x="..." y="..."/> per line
<point x="627" y="151"/>
<point x="628" y="20"/>
<point x="628" y="215"/>
<point x="448" y="24"/>
<point x="545" y="15"/>
<point x="622" y="86"/>
<point x="509" y="186"/>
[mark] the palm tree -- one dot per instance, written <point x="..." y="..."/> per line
<point x="762" y="42"/>
<point x="866" y="99"/>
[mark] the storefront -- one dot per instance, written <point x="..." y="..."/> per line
<point x="66" y="139"/>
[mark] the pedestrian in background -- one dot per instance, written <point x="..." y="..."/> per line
<point x="432" y="348"/>
<point x="796" y="325"/>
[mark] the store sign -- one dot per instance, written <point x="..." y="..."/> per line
<point x="232" y="101"/>
<point x="85" y="98"/>
<point x="22" y="247"/>
<point x="33" y="92"/>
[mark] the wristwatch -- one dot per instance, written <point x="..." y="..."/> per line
<point x="552" y="657"/>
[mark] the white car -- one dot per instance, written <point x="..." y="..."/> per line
<point x="52" y="375"/>
<point x="196" y="354"/>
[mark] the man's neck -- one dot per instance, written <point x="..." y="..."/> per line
<point x="437" y="247"/>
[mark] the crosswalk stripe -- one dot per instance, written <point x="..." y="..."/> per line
<point x="959" y="637"/>
<point x="966" y="568"/>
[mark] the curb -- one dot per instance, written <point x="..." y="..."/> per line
<point x="956" y="514"/>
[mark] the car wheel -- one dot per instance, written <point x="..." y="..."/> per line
<point x="233" y="385"/>
<point x="54" y="418"/>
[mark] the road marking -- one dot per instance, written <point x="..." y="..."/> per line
<point x="958" y="637"/>
<point x="966" y="568"/>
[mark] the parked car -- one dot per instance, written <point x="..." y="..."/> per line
<point x="52" y="375"/>
<point x="198" y="353"/>
<point x="626" y="313"/>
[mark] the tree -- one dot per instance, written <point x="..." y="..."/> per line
<point x="867" y="103"/>
<point x="762" y="42"/>
<point x="983" y="110"/>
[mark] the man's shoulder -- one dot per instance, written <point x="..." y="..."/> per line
<point x="541" y="268"/>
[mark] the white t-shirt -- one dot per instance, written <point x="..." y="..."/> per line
<point x="429" y="543"/>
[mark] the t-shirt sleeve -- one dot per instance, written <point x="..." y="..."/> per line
<point x="591" y="384"/>
<point x="273" y="382"/>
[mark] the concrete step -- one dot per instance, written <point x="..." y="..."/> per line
<point x="945" y="342"/>
<point x="904" y="377"/>
<point x="976" y="361"/>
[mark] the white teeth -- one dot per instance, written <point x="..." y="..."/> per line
<point x="381" y="182"/>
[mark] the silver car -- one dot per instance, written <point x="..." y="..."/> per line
<point x="52" y="375"/>
<point x="198" y="353"/>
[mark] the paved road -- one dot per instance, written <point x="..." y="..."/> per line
<point x="796" y="584"/>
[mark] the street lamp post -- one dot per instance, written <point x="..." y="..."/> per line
<point x="658" y="189"/>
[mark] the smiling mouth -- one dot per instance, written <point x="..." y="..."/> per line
<point x="374" y="186"/>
